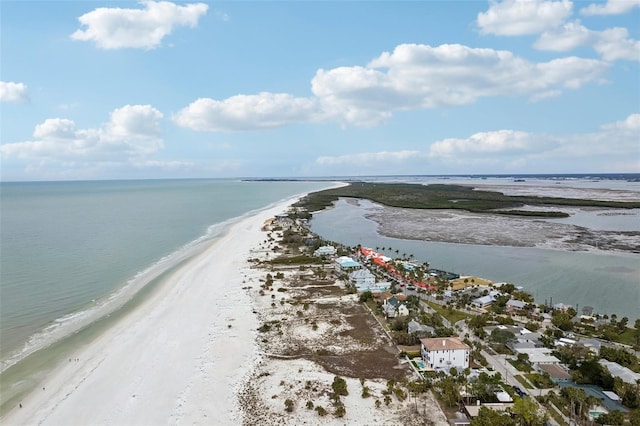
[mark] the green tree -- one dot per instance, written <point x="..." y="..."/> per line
<point x="614" y="418"/>
<point x="489" y="417"/>
<point x="525" y="412"/>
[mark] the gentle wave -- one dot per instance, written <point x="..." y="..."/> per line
<point x="75" y="321"/>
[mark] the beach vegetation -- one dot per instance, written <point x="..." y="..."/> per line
<point x="309" y="405"/>
<point x="366" y="393"/>
<point x="340" y="411"/>
<point x="321" y="410"/>
<point x="288" y="404"/>
<point x="339" y="386"/>
<point x="438" y="196"/>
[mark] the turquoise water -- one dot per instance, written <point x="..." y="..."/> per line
<point x="71" y="252"/>
<point x="608" y="282"/>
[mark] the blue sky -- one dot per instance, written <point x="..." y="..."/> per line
<point x="118" y="90"/>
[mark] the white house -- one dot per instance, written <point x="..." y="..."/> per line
<point x="484" y="301"/>
<point x="362" y="278"/>
<point x="325" y="251"/>
<point x="395" y="308"/>
<point x="445" y="353"/>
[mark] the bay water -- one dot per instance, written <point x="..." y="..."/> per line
<point x="607" y="281"/>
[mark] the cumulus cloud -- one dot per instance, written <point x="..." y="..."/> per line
<point x="246" y="112"/>
<point x="416" y="76"/>
<point x="500" y="141"/>
<point x="611" y="7"/>
<point x="615" y="140"/>
<point x="502" y="151"/>
<point x="132" y="131"/>
<point x="117" y="28"/>
<point x="413" y="76"/>
<point x="612" y="44"/>
<point x="13" y="92"/>
<point x="521" y="17"/>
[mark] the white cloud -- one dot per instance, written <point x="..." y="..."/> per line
<point x="614" y="142"/>
<point x="117" y="28"/>
<point x="611" y="7"/>
<point x="613" y="43"/>
<point x="503" y="151"/>
<point x="521" y="17"/>
<point x="369" y="159"/>
<point x="500" y="141"/>
<point x="416" y="76"/>
<point x="413" y="76"/>
<point x="133" y="131"/>
<point x="246" y="112"/>
<point x="13" y="92"/>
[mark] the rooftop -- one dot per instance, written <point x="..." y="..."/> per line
<point x="443" y="344"/>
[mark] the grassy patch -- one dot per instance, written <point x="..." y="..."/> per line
<point x="520" y="366"/>
<point x="452" y="315"/>
<point x="540" y="381"/>
<point x="523" y="381"/>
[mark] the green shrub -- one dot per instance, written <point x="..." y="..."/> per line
<point x="339" y="386"/>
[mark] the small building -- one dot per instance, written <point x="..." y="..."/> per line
<point x="362" y="278"/>
<point x="445" y="353"/>
<point x="415" y="327"/>
<point x="393" y="307"/>
<point x="515" y="305"/>
<point x="555" y="372"/>
<point x="484" y="301"/>
<point x="325" y="251"/>
<point x="623" y="373"/>
<point x="346" y="264"/>
<point x="538" y="355"/>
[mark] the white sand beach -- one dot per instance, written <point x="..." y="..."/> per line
<point x="179" y="358"/>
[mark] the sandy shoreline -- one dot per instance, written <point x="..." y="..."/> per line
<point x="179" y="358"/>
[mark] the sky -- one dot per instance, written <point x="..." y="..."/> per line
<point x="160" y="89"/>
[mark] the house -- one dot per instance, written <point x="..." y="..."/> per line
<point x="515" y="305"/>
<point x="346" y="264"/>
<point x="415" y="327"/>
<point x="623" y="373"/>
<point x="325" y="251"/>
<point x="362" y="278"/>
<point x="445" y="353"/>
<point x="538" y="355"/>
<point x="484" y="301"/>
<point x="395" y="308"/>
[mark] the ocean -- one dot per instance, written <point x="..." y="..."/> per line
<point x="74" y="254"/>
<point x="607" y="281"/>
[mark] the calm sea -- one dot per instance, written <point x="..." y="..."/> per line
<point x="609" y="282"/>
<point x="73" y="252"/>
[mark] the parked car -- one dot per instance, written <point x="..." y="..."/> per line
<point x="519" y="391"/>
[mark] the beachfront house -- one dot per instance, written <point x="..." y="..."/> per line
<point x="325" y="251"/>
<point x="444" y="353"/>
